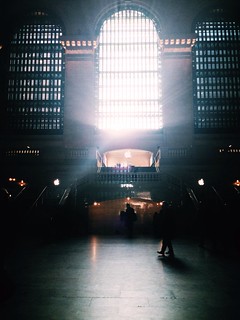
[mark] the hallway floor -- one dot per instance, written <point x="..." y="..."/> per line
<point x="113" y="278"/>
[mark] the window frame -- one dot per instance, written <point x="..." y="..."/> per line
<point x="100" y="25"/>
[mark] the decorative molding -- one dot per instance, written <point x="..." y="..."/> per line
<point x="74" y="45"/>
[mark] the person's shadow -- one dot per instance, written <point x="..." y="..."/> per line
<point x="175" y="263"/>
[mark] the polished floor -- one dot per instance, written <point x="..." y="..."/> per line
<point x="113" y="278"/>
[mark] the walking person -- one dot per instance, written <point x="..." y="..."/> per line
<point x="167" y="229"/>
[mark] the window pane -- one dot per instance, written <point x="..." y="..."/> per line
<point x="216" y="74"/>
<point x="129" y="96"/>
<point x="35" y="86"/>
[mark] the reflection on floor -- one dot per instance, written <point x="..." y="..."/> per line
<point x="113" y="278"/>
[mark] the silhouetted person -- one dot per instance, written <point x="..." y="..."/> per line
<point x="166" y="225"/>
<point x="122" y="222"/>
<point x="157" y="224"/>
<point x="122" y="216"/>
<point x="129" y="218"/>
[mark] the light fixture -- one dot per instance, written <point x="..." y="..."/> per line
<point x="236" y="183"/>
<point x="56" y="182"/>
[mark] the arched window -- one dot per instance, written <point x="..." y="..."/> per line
<point x="36" y="77"/>
<point x="216" y="73"/>
<point x="128" y="73"/>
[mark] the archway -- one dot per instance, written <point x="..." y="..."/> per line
<point x="128" y="157"/>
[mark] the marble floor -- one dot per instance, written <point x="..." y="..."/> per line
<point x="113" y="278"/>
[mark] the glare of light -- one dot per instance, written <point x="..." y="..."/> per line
<point x="125" y="95"/>
<point x="56" y="182"/>
<point x="201" y="182"/>
<point x="94" y="243"/>
<point x="127" y="154"/>
<point x="236" y="183"/>
<point x="22" y="183"/>
<point x="126" y="185"/>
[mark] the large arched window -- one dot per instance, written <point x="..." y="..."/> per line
<point x="128" y="73"/>
<point x="216" y="73"/>
<point x="36" y="77"/>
